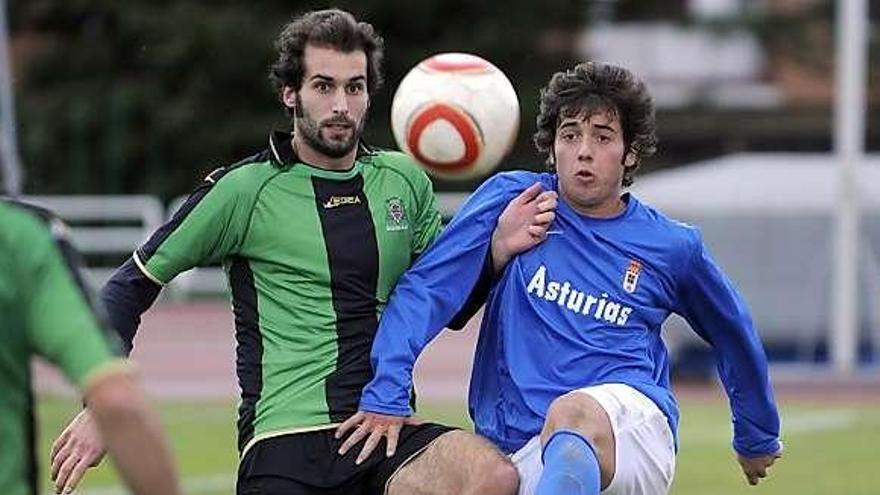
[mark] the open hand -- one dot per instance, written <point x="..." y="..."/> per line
<point x="78" y="448"/>
<point x="373" y="427"/>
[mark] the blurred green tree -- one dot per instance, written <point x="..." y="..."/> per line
<point x="147" y="96"/>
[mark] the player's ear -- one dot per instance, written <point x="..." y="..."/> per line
<point x="288" y="97"/>
<point x="630" y="159"/>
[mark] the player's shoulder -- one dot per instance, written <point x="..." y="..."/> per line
<point x="397" y="169"/>
<point x="395" y="162"/>
<point x="679" y="233"/>
<point x="20" y="216"/>
<point x="15" y="215"/>
<point x="28" y="225"/>
<point x="245" y="175"/>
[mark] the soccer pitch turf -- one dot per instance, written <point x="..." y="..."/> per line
<point x="828" y="448"/>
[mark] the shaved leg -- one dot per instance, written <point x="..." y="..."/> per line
<point x="456" y="462"/>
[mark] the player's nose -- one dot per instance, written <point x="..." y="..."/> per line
<point x="340" y="102"/>
<point x="585" y="150"/>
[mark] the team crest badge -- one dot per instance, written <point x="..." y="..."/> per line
<point x="631" y="277"/>
<point x="395" y="218"/>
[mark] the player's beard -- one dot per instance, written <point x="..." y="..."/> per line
<point x="311" y="132"/>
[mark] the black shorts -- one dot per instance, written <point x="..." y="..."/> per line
<point x="308" y="463"/>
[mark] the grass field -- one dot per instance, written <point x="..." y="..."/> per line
<point x="828" y="450"/>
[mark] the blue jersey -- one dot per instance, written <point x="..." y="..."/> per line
<point x="584" y="307"/>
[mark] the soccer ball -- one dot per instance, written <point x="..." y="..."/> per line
<point x="456" y="114"/>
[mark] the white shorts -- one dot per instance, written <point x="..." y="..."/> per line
<point x="645" y="449"/>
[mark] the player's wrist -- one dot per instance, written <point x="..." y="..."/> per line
<point x="500" y="252"/>
<point x="385" y="409"/>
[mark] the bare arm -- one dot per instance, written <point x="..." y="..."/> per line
<point x="80" y="446"/>
<point x="133" y="436"/>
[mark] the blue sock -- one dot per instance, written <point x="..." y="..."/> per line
<point x="570" y="466"/>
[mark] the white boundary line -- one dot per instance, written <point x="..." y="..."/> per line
<point x="792" y="424"/>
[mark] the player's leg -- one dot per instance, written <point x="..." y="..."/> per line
<point x="613" y="428"/>
<point x="455" y="462"/>
<point x="577" y="447"/>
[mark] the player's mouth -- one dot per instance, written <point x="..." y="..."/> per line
<point x="337" y="127"/>
<point x="585" y="176"/>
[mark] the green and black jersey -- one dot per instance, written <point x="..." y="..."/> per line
<point x="312" y="256"/>
<point x="43" y="311"/>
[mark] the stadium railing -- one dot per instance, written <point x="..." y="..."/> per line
<point x="105" y="229"/>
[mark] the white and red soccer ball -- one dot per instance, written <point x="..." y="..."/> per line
<point x="456" y="114"/>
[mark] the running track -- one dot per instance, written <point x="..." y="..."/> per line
<point x="186" y="350"/>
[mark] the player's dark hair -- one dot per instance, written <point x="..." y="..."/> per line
<point x="332" y="28"/>
<point x="594" y="87"/>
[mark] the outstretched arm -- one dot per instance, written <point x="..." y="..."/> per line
<point x="719" y="315"/>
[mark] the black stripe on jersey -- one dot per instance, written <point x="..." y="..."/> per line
<point x="353" y="257"/>
<point x="146" y="251"/>
<point x="249" y="346"/>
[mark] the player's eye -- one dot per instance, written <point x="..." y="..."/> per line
<point x="355" y="88"/>
<point x="603" y="138"/>
<point x="323" y="86"/>
<point x="568" y="137"/>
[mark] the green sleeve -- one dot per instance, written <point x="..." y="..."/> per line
<point x="60" y="324"/>
<point x="428" y="221"/>
<point x="210" y="226"/>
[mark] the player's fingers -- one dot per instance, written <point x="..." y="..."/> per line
<point x="348" y="424"/>
<point x="529" y="194"/>
<point x="546" y="201"/>
<point x="391" y="437"/>
<point x="755" y="475"/>
<point x="370" y="445"/>
<point x="750" y="477"/>
<point x="356" y="436"/>
<point x="76" y="475"/>
<point x="544" y="218"/>
<point x="537" y="232"/>
<point x="60" y="457"/>
<point x="59" y="442"/>
<point x="64" y="472"/>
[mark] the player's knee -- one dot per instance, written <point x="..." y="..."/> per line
<point x="571" y="410"/>
<point x="497" y="477"/>
<point x="580" y="412"/>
